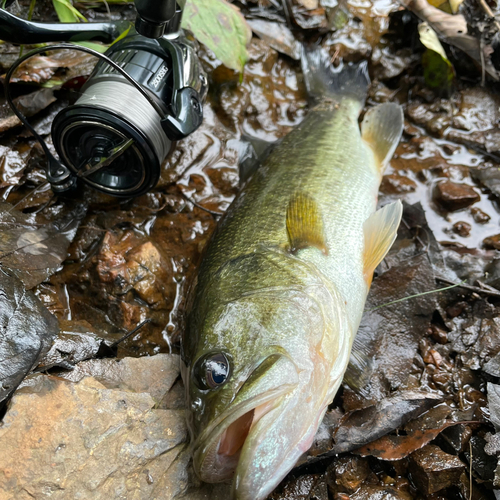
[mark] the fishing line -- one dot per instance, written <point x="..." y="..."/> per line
<point x="124" y="100"/>
<point x="417" y="295"/>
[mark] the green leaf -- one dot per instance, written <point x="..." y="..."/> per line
<point x="66" y="12"/>
<point x="438" y="70"/>
<point x="221" y="27"/>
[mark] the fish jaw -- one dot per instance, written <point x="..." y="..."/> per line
<point x="217" y="449"/>
<point x="284" y="434"/>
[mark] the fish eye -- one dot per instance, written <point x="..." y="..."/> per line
<point x="212" y="371"/>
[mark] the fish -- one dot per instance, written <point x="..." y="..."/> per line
<point x="280" y="292"/>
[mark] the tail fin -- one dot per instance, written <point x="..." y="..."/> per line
<point x="325" y="81"/>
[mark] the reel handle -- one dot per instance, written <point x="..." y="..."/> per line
<point x="16" y="30"/>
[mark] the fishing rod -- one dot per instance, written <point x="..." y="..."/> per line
<point x="146" y="92"/>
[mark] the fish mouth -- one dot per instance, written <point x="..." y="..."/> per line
<point x="217" y="450"/>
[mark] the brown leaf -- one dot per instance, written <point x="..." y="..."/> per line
<point x="398" y="447"/>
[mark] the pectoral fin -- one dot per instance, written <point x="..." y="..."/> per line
<point x="380" y="232"/>
<point x="382" y="128"/>
<point x="359" y="370"/>
<point x="304" y="224"/>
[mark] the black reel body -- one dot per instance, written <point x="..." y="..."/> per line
<point x="112" y="137"/>
<point x="143" y="95"/>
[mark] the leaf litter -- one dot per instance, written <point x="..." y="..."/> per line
<point x="432" y="359"/>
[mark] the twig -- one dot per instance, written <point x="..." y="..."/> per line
<point x="129" y="334"/>
<point x="470" y="287"/>
<point x="201" y="207"/>
<point x="488" y="11"/>
<point x="470" y="470"/>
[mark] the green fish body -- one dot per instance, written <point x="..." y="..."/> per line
<point x="281" y="291"/>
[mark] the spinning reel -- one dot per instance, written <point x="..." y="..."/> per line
<point x="146" y="91"/>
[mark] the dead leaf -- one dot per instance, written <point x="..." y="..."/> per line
<point x="393" y="447"/>
<point x="365" y="425"/>
<point x="40" y="69"/>
<point x="453" y="30"/>
<point x="31" y="250"/>
<point x="278" y="36"/>
<point x="29" y="105"/>
<point x="26" y="331"/>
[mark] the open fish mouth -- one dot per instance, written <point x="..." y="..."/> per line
<point x="217" y="450"/>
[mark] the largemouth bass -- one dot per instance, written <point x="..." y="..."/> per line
<point x="282" y="287"/>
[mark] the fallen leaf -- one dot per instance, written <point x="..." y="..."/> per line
<point x="26" y="331"/>
<point x="34" y="251"/>
<point x="368" y="424"/>
<point x="278" y="36"/>
<point x="392" y="447"/>
<point x="29" y="105"/>
<point x="66" y="12"/>
<point x="493" y="391"/>
<point x="453" y="30"/>
<point x="42" y="68"/>
<point x="438" y="70"/>
<point x="221" y="27"/>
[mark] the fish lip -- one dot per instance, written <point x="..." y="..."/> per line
<point x="219" y="425"/>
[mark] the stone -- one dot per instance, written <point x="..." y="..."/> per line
<point x="454" y="196"/>
<point x="67" y="440"/>
<point x="433" y="470"/>
<point x="492" y="242"/>
<point x="397" y="184"/>
<point x="479" y="216"/>
<point x="462" y="228"/>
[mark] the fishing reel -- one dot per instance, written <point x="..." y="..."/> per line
<point x="146" y="91"/>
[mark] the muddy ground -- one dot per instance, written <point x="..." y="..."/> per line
<point x="422" y="427"/>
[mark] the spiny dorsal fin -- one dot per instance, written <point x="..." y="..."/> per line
<point x="382" y="128"/>
<point x="380" y="232"/>
<point x="304" y="224"/>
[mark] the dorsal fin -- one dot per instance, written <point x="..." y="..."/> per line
<point x="380" y="230"/>
<point x="304" y="224"/>
<point x="382" y="128"/>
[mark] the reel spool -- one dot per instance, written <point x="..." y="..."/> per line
<point x="143" y="95"/>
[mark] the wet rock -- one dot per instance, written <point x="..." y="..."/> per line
<point x="492" y="242"/>
<point x="494" y="404"/>
<point x="475" y="124"/>
<point x="438" y="334"/>
<point x="482" y="464"/>
<point x="433" y="470"/>
<point x="371" y="492"/>
<point x="308" y="487"/>
<point x="454" y="196"/>
<point x="155" y="374"/>
<point x="397" y="184"/>
<point x="455" y="438"/>
<point x="492" y="446"/>
<point x="75" y="342"/>
<point x="348" y="473"/>
<point x="479" y="216"/>
<point x="492" y="367"/>
<point x="84" y="440"/>
<point x="475" y="334"/>
<point x="462" y="228"/>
